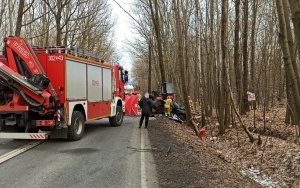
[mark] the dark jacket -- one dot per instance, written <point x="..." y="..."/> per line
<point x="146" y="105"/>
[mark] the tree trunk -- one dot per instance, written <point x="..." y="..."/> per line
<point x="180" y="44"/>
<point x="212" y="63"/>
<point x="200" y="83"/>
<point x="149" y="65"/>
<point x="58" y="27"/>
<point x="295" y="9"/>
<point x="252" y="42"/>
<point x="291" y="76"/>
<point x="245" y="103"/>
<point x="290" y="40"/>
<point x="2" y="10"/>
<point x="292" y="53"/>
<point x="19" y="18"/>
<point x="236" y="56"/>
<point x="156" y="23"/>
<point x="224" y="97"/>
<point x="10" y="16"/>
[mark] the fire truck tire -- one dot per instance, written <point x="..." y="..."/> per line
<point x="76" y="130"/>
<point x="117" y="120"/>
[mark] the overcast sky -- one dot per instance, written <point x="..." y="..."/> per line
<point x="122" y="30"/>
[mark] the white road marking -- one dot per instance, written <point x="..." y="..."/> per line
<point x="18" y="151"/>
<point x="143" y="166"/>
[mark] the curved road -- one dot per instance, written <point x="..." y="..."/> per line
<point x="105" y="157"/>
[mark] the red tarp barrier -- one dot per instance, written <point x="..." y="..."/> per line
<point x="131" y="105"/>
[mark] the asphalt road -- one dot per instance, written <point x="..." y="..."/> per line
<point x="105" y="157"/>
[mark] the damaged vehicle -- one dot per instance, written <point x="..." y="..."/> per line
<point x="178" y="110"/>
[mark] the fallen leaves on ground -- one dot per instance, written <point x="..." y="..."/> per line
<point x="274" y="162"/>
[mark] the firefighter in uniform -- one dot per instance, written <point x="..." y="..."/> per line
<point x="168" y="104"/>
<point x="139" y="96"/>
<point x="191" y="103"/>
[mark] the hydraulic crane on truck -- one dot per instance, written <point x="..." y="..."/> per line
<point x="38" y="91"/>
<point x="24" y="88"/>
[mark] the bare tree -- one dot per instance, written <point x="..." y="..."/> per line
<point x="20" y="15"/>
<point x="2" y="10"/>
<point x="252" y="43"/>
<point x="224" y="97"/>
<point x="237" y="67"/>
<point x="57" y="8"/>
<point x="290" y="71"/>
<point x="245" y="103"/>
<point x="156" y="22"/>
<point x="212" y="52"/>
<point x="179" y="62"/>
<point x="295" y="11"/>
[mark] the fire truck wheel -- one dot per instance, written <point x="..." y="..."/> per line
<point x="118" y="119"/>
<point x="75" y="131"/>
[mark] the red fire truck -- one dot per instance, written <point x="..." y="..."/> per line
<point x="56" y="90"/>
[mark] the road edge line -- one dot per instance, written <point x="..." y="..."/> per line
<point x="18" y="151"/>
<point x="143" y="164"/>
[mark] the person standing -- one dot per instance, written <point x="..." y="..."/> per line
<point x="168" y="104"/>
<point x="191" y="103"/>
<point x="139" y="96"/>
<point x="146" y="104"/>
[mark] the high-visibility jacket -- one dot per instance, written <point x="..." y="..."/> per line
<point x="168" y="103"/>
<point x="139" y="96"/>
<point x="191" y="103"/>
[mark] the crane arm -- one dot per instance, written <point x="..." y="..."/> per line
<point x="24" y="74"/>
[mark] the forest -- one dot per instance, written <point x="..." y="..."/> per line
<point x="86" y="25"/>
<point x="220" y="51"/>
